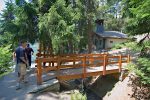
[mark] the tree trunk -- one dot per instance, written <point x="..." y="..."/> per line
<point x="89" y="25"/>
<point x="89" y="36"/>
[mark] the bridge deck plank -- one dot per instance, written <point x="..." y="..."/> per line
<point x="73" y="73"/>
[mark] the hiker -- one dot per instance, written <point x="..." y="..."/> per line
<point x="21" y="60"/>
<point x="29" y="51"/>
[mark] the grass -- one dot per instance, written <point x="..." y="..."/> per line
<point x="5" y="73"/>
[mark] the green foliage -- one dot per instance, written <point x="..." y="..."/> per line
<point x="5" y="39"/>
<point x="78" y="96"/>
<point x="139" y="21"/>
<point x="26" y="21"/>
<point x="113" y="24"/>
<point x="110" y="11"/>
<point x="5" y="56"/>
<point x="8" y="27"/>
<point x="58" y="26"/>
<point x="20" y="21"/>
<point x="133" y="46"/>
<point x="142" y="65"/>
<point x="142" y="69"/>
<point x="118" y="46"/>
<point x="129" y="44"/>
<point x="55" y="23"/>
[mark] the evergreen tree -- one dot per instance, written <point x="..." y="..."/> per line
<point x="26" y="20"/>
<point x="7" y="23"/>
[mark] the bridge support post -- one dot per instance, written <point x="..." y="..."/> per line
<point x="39" y="72"/>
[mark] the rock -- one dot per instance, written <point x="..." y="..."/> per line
<point x="51" y="85"/>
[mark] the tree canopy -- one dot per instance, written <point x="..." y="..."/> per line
<point x="138" y="14"/>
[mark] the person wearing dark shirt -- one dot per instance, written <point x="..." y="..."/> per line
<point x="29" y="52"/>
<point x="21" y="61"/>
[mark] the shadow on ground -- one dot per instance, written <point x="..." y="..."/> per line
<point x="103" y="85"/>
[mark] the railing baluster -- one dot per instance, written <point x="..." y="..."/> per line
<point x="84" y="67"/>
<point x="120" y="62"/>
<point x="105" y="64"/>
<point x="128" y="59"/>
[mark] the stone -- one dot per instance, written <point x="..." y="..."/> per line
<point x="51" y="85"/>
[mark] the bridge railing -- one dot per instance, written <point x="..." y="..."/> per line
<point x="83" y="61"/>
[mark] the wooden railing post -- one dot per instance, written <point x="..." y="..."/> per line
<point x="58" y="66"/>
<point x="84" y="67"/>
<point x="128" y="59"/>
<point x="105" y="64"/>
<point x="120" y="62"/>
<point x="39" y="72"/>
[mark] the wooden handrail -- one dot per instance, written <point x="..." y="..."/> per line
<point x="86" y="60"/>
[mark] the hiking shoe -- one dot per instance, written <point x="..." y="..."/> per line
<point x="18" y="87"/>
<point x="24" y="81"/>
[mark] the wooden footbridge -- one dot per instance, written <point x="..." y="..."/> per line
<point x="73" y="66"/>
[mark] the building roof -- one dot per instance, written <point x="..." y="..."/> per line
<point x="112" y="34"/>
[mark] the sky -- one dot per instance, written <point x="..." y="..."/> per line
<point x="2" y="5"/>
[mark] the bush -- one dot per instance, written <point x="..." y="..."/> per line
<point x="128" y="44"/>
<point x="142" y="65"/>
<point x="141" y="69"/>
<point x="144" y="70"/>
<point x="118" y="46"/>
<point x="5" y="59"/>
<point x="78" y="96"/>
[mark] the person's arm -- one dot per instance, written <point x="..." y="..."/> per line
<point x="14" y="56"/>
<point x="32" y="51"/>
<point x="24" y="60"/>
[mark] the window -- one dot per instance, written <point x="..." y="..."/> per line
<point x="111" y="41"/>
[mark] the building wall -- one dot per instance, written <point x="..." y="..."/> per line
<point x="110" y="42"/>
<point x="98" y="42"/>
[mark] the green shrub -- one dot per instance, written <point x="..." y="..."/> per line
<point x="78" y="96"/>
<point x="131" y="45"/>
<point x="5" y="59"/>
<point x="142" y="69"/>
<point x="118" y="46"/>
